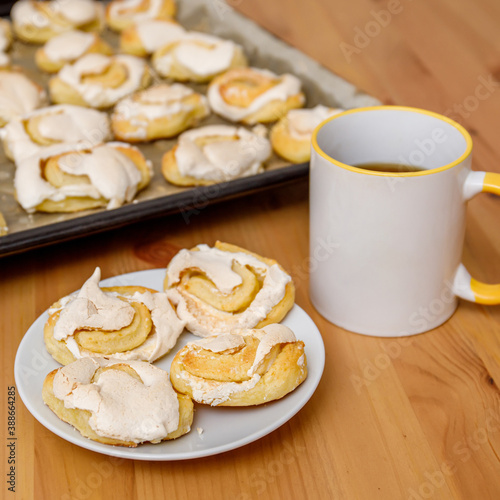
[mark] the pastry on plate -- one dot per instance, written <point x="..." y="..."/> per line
<point x="67" y="47"/>
<point x="47" y="127"/>
<point x="243" y="368"/>
<point x="215" y="153"/>
<point x="3" y="225"/>
<point x="118" y="403"/>
<point x="143" y="38"/>
<point x="123" y="322"/>
<point x="18" y="95"/>
<point x="220" y="289"/>
<point x="252" y="95"/>
<point x="121" y="14"/>
<point x="197" y="57"/>
<point x="70" y="178"/>
<point x="159" y="112"/>
<point x="99" y="81"/>
<point x="38" y="21"/>
<point x="291" y="136"/>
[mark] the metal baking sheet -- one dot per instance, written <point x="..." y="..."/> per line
<point x="27" y="231"/>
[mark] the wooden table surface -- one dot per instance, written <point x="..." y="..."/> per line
<point x="391" y="419"/>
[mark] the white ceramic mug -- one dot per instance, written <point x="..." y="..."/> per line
<point x="393" y="240"/>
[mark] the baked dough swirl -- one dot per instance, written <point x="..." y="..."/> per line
<point x="220" y="289"/>
<point x="243" y="368"/>
<point x="118" y="403"/>
<point x="38" y="21"/>
<point x="252" y="95"/>
<point x="69" y="178"/>
<point x="99" y="81"/>
<point x="124" y="322"/>
<point x="121" y="14"/>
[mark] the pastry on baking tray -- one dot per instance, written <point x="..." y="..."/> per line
<point x="38" y="21"/>
<point x="291" y="136"/>
<point x="3" y="225"/>
<point x="243" y="368"/>
<point x="118" y="403"/>
<point x="197" y="57"/>
<point x="215" y="153"/>
<point x="143" y="38"/>
<point x="67" y="47"/>
<point x="70" y="178"/>
<point x="159" y="112"/>
<point x="18" y="95"/>
<point x="44" y="128"/>
<point x="220" y="289"/>
<point x="120" y="14"/>
<point x="123" y="322"/>
<point x="252" y="95"/>
<point x="99" y="81"/>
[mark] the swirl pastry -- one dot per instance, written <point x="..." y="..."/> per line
<point x="18" y="95"/>
<point x="67" y="47"/>
<point x="38" y="21"/>
<point x="123" y="322"/>
<point x="215" y="153"/>
<point x="144" y="38"/>
<point x="291" y="136"/>
<point x="197" y="57"/>
<point x="121" y="14"/>
<point x="243" y="368"/>
<point x="70" y="178"/>
<point x="118" y="403"/>
<point x="99" y="81"/>
<point x="42" y="129"/>
<point x="252" y="95"/>
<point x="3" y="225"/>
<point x="220" y="289"/>
<point x="159" y="112"/>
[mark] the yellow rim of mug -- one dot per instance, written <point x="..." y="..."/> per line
<point x="465" y="134"/>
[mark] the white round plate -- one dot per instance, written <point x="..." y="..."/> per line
<point x="214" y="430"/>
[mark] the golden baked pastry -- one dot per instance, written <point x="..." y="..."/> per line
<point x="159" y="112"/>
<point x="220" y="289"/>
<point x="121" y="14"/>
<point x="243" y="368"/>
<point x="67" y="47"/>
<point x="124" y="322"/>
<point x="38" y="21"/>
<point x="70" y="178"/>
<point x="144" y="38"/>
<point x="42" y="129"/>
<point x="251" y="95"/>
<point x="197" y="57"/>
<point x="99" y="81"/>
<point x="18" y="95"/>
<point x="291" y="136"/>
<point x="215" y="153"/>
<point x="118" y="403"/>
<point x="3" y="225"/>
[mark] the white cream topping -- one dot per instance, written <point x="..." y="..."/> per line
<point x="204" y="55"/>
<point x="112" y="175"/>
<point x="156" y="102"/>
<point x="93" y="308"/>
<point x="125" y="9"/>
<point x="215" y="392"/>
<point x="203" y="319"/>
<point x="156" y="33"/>
<point x="240" y="155"/>
<point x="98" y="95"/>
<point x="18" y="95"/>
<point x="122" y="407"/>
<point x="63" y="123"/>
<point x="288" y="85"/>
<point x="302" y="122"/>
<point x="68" y="46"/>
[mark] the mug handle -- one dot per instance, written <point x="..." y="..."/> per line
<point x="464" y="285"/>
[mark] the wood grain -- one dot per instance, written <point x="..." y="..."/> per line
<point x="391" y="419"/>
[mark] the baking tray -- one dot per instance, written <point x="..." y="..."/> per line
<point x="28" y="231"/>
